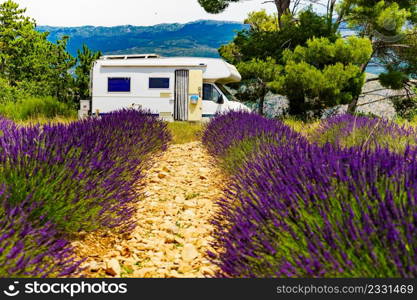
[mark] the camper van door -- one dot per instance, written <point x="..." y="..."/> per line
<point x="181" y="95"/>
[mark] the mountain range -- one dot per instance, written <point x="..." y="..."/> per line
<point x="199" y="38"/>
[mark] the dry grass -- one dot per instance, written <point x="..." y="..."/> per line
<point x="185" y="132"/>
<point x="44" y="120"/>
<point x="302" y="127"/>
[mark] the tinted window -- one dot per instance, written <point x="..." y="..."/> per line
<point x="210" y="93"/>
<point x="159" y="83"/>
<point x="119" y="85"/>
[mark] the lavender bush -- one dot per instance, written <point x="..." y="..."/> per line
<point x="302" y="210"/>
<point x="60" y="179"/>
<point x="234" y="137"/>
<point x="86" y="174"/>
<point x="350" y="131"/>
<point x="28" y="250"/>
<point x="6" y="126"/>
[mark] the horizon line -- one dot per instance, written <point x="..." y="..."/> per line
<point x="130" y="25"/>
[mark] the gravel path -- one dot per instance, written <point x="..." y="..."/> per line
<point x="173" y="232"/>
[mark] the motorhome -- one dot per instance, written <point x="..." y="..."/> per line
<point x="176" y="88"/>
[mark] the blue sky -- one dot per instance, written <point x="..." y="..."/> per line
<point x="133" y="12"/>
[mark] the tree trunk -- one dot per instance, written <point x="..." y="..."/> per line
<point x="283" y="7"/>
<point x="261" y="105"/>
<point x="354" y="104"/>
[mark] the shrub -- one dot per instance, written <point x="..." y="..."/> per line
<point x="29" y="108"/>
<point x="63" y="178"/>
<point x="297" y="209"/>
<point x="86" y="174"/>
<point x="350" y="131"/>
<point x="406" y="107"/>
<point x="9" y="93"/>
<point x="233" y="137"/>
<point x="307" y="211"/>
<point x="6" y="126"/>
<point x="30" y="251"/>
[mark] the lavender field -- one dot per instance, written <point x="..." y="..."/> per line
<point x="58" y="180"/>
<point x="336" y="201"/>
<point x="339" y="202"/>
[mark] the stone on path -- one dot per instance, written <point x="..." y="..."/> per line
<point x="189" y="252"/>
<point x="113" y="267"/>
<point x="173" y="232"/>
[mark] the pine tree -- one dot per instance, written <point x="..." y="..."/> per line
<point x="218" y="6"/>
<point x="28" y="61"/>
<point x="385" y="23"/>
<point x="85" y="61"/>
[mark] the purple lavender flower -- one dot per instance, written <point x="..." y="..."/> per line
<point x="297" y="209"/>
<point x="61" y="179"/>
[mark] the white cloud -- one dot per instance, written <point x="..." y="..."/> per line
<point x="133" y="12"/>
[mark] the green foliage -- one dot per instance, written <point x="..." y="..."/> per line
<point x="260" y="21"/>
<point x="300" y="126"/>
<point x="231" y="53"/>
<point x="406" y="107"/>
<point x="215" y="6"/>
<point x="324" y="74"/>
<point x="259" y="78"/>
<point x="9" y="93"/>
<point x="386" y="17"/>
<point x="242" y="151"/>
<point x="85" y="61"/>
<point x="321" y="52"/>
<point x="32" y="107"/>
<point x="393" y="79"/>
<point x="364" y="131"/>
<point x="27" y="58"/>
<point x="256" y="43"/>
<point x="29" y="63"/>
<point x="387" y="24"/>
<point x="259" y="52"/>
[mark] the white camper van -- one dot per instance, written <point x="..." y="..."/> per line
<point x="177" y="88"/>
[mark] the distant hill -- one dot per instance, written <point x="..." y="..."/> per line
<point x="199" y="38"/>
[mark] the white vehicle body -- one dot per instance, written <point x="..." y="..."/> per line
<point x="177" y="88"/>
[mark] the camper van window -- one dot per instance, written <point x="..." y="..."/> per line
<point x="118" y="84"/>
<point x="210" y="93"/>
<point x="159" y="83"/>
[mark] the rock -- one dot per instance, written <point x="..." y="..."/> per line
<point x="125" y="252"/>
<point x="113" y="267"/>
<point x="142" y="273"/>
<point x="179" y="240"/>
<point x="179" y="198"/>
<point x="162" y="175"/>
<point x="94" y="266"/>
<point x="170" y="255"/>
<point x="173" y="232"/>
<point x="204" y="170"/>
<point x="113" y="253"/>
<point x="188" y="233"/>
<point x="190" y="204"/>
<point x="189" y="253"/>
<point x="189" y="214"/>
<point x="185" y="268"/>
<point x="208" y="271"/>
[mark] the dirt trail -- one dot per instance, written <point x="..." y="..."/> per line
<point x="173" y="231"/>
